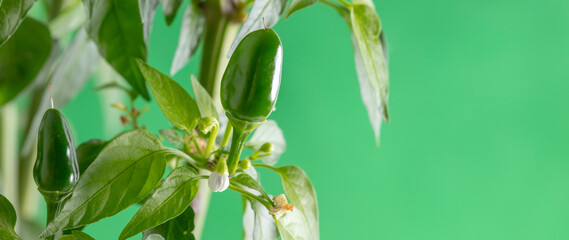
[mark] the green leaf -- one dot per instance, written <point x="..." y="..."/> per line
<point x="245" y="180"/>
<point x="257" y="223"/>
<point x="270" y="10"/>
<point x="371" y="64"/>
<point x="147" y="11"/>
<point x="302" y="223"/>
<point x="22" y="57"/>
<point x="76" y="235"/>
<point x="268" y="132"/>
<point x="179" y="228"/>
<point x="170" y="8"/>
<point x="127" y="170"/>
<point x="169" y="201"/>
<point x="190" y="34"/>
<point x="296" y="5"/>
<point x="116" y="27"/>
<point x="87" y="152"/>
<point x="176" y="104"/>
<point x="7" y="219"/>
<point x="171" y="135"/>
<point x="203" y="99"/>
<point x="12" y="13"/>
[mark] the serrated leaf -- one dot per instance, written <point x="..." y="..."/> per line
<point x="12" y="13"/>
<point x="190" y="35"/>
<point x="270" y="10"/>
<point x="176" y="104"/>
<point x="116" y="28"/>
<point x="22" y="57"/>
<point x="296" y="5"/>
<point x="170" y="8"/>
<point x="147" y="11"/>
<point x="257" y="223"/>
<point x="170" y="200"/>
<point x="203" y="99"/>
<point x="7" y="219"/>
<point x="127" y="170"/>
<point x="179" y="228"/>
<point x="302" y="222"/>
<point x="371" y="64"/>
<point x="268" y="132"/>
<point x="171" y="135"/>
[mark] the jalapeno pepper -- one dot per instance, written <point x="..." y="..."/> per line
<point x="56" y="170"/>
<point x="250" y="86"/>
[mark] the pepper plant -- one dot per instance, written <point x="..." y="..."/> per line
<point x="68" y="42"/>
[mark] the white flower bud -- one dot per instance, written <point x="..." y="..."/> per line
<point x="218" y="182"/>
<point x="219" y="179"/>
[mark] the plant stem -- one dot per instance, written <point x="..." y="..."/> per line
<point x="211" y="140"/>
<point x="8" y="153"/>
<point x="253" y="196"/>
<point x="226" y="134"/>
<point x="219" y="35"/>
<point x="237" y="143"/>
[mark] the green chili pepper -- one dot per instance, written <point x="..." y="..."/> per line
<point x="56" y="170"/>
<point x="250" y="86"/>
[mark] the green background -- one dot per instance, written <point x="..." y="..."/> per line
<point x="477" y="146"/>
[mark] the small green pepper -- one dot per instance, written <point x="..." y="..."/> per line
<point x="56" y="170"/>
<point x="250" y="86"/>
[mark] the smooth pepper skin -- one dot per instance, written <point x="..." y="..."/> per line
<point x="56" y="168"/>
<point x="251" y="81"/>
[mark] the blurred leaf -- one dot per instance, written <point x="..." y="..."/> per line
<point x="268" y="132"/>
<point x="171" y="135"/>
<point x="170" y="8"/>
<point x="179" y="228"/>
<point x="116" y="27"/>
<point x="203" y="99"/>
<point x="302" y="223"/>
<point x="176" y="104"/>
<point x="270" y="10"/>
<point x="70" y="19"/>
<point x="22" y="57"/>
<point x="71" y="72"/>
<point x="147" y="11"/>
<point x="190" y="34"/>
<point x="371" y="64"/>
<point x="170" y="200"/>
<point x="87" y="152"/>
<point x="12" y="13"/>
<point x="257" y="223"/>
<point x="127" y="170"/>
<point x="296" y="5"/>
<point x="7" y="219"/>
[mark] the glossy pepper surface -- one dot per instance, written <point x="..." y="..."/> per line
<point x="250" y="86"/>
<point x="251" y="81"/>
<point x="56" y="168"/>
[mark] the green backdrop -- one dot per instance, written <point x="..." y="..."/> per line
<point x="477" y="147"/>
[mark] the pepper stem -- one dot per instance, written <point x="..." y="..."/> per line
<point x="237" y="143"/>
<point x="52" y="211"/>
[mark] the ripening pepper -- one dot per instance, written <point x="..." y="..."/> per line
<point x="250" y="86"/>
